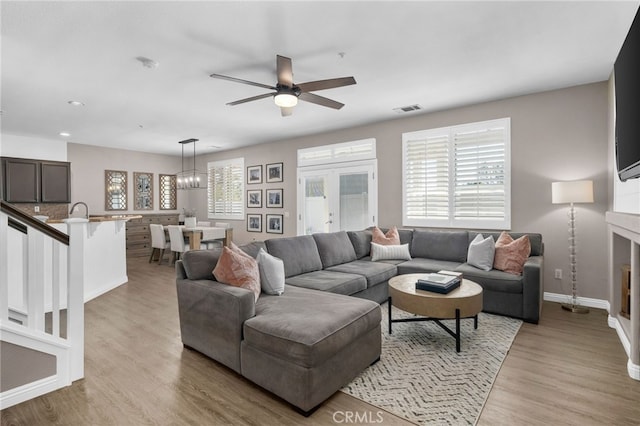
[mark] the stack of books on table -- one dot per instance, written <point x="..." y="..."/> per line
<point x="442" y="282"/>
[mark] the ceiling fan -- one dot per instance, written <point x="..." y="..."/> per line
<point x="286" y="93"/>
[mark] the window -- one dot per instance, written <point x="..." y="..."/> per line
<point x="225" y="189"/>
<point x="458" y="177"/>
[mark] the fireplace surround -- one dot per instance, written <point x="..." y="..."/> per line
<point x="624" y="249"/>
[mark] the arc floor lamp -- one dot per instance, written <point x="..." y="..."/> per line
<point x="572" y="192"/>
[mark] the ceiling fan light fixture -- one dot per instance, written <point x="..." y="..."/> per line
<point x="285" y="100"/>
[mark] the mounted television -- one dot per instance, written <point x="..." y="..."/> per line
<point x="627" y="91"/>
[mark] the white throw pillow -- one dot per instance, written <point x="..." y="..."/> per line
<point x="380" y="252"/>
<point x="271" y="273"/>
<point x="481" y="252"/>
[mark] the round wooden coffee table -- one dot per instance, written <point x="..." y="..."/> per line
<point x="463" y="302"/>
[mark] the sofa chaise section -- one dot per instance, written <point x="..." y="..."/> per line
<point x="303" y="345"/>
<point x="306" y="344"/>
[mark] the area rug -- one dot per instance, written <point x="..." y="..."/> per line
<point x="421" y="378"/>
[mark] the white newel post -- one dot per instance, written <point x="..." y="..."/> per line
<point x="77" y="229"/>
<point x="4" y="268"/>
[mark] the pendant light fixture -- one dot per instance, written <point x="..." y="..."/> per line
<point x="190" y="178"/>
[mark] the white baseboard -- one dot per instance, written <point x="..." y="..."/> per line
<point x="29" y="391"/>
<point x="90" y="295"/>
<point x="582" y="301"/>
<point x="632" y="369"/>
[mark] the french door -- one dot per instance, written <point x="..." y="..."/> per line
<point x="341" y="197"/>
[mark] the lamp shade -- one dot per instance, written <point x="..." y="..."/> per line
<point x="579" y="191"/>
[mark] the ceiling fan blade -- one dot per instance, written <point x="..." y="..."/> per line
<point x="253" y="98"/>
<point x="286" y="111"/>
<point x="238" y="80"/>
<point x="285" y="71"/>
<point x="312" y="86"/>
<point x="320" y="100"/>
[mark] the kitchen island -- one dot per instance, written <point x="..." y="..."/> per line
<point x="105" y="263"/>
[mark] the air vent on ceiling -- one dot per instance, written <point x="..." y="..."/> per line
<point x="408" y="108"/>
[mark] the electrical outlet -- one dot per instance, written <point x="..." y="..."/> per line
<point x="558" y="275"/>
<point x="36" y="209"/>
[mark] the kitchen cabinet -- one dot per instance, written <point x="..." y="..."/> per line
<point x="54" y="182"/>
<point x="35" y="181"/>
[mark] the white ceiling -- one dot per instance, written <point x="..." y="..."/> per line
<point x="436" y="54"/>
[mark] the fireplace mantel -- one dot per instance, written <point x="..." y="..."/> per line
<point x="624" y="248"/>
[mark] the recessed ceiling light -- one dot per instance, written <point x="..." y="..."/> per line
<point x="65" y="134"/>
<point x="75" y="103"/>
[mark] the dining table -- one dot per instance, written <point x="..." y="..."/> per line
<point x="198" y="234"/>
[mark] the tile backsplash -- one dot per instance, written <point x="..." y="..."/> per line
<point x="54" y="211"/>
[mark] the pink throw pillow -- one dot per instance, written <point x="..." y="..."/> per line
<point x="511" y="254"/>
<point x="391" y="238"/>
<point x="238" y="269"/>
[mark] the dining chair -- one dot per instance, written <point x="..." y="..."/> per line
<point x="159" y="242"/>
<point x="178" y="246"/>
<point x="209" y="244"/>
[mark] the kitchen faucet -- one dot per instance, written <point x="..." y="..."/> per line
<point x="85" y="207"/>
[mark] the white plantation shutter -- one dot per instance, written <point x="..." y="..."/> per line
<point x="458" y="176"/>
<point x="427" y="178"/>
<point x="225" y="189"/>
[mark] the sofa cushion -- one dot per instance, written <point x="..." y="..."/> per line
<point x="389" y="252"/>
<point x="271" y="273"/>
<point x="493" y="280"/>
<point x="537" y="247"/>
<point x="253" y="248"/>
<point x="441" y="245"/>
<point x="308" y="327"/>
<point x="511" y="254"/>
<point x="300" y="254"/>
<point x="481" y="252"/>
<point x="334" y="248"/>
<point x="331" y="281"/>
<point x="237" y="268"/>
<point x="419" y="265"/>
<point x="198" y="264"/>
<point x="361" y="241"/>
<point x="406" y="236"/>
<point x="390" y="238"/>
<point x="374" y="272"/>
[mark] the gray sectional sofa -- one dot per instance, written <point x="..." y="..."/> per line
<point x="309" y="342"/>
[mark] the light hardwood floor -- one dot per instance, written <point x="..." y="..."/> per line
<point x="569" y="369"/>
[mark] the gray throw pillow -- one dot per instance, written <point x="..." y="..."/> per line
<point x="271" y="273"/>
<point x="481" y="252"/>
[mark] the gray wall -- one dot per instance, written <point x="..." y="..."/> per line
<point x="88" y="165"/>
<point x="556" y="135"/>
